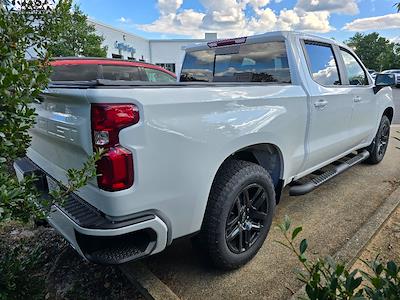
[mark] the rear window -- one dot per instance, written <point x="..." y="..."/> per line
<point x="263" y="62"/>
<point x="74" y="73"/>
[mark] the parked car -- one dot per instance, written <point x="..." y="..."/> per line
<point x="209" y="156"/>
<point x="88" y="69"/>
<point x="396" y="73"/>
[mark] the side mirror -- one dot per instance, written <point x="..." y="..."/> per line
<point x="383" y="80"/>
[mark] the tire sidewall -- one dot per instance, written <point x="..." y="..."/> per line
<point x="375" y="146"/>
<point x="229" y="195"/>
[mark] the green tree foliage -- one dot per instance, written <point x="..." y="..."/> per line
<point x="376" y="52"/>
<point x="78" y="38"/>
<point x="28" y="26"/>
<point x="327" y="279"/>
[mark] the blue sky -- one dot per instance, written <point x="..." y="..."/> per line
<point x="191" y="18"/>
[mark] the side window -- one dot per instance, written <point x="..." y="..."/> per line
<point x="355" y="72"/>
<point x="322" y="63"/>
<point x="158" y="76"/>
<point x="128" y="73"/>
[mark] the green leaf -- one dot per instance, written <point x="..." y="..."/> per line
<point x="303" y="246"/>
<point x="287" y="223"/>
<point x="392" y="268"/>
<point x="296" y="231"/>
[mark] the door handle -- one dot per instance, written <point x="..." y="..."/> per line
<point x="320" y="104"/>
<point x="357" y="99"/>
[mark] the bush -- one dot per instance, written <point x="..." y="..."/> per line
<point x="327" y="279"/>
<point x="17" y="280"/>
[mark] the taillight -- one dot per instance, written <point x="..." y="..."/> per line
<point x="109" y="119"/>
<point x="115" y="168"/>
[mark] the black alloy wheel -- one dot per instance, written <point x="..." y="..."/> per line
<point x="246" y="218"/>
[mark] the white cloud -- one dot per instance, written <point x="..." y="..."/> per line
<point x="390" y="21"/>
<point x="124" y="20"/>
<point x="338" y="6"/>
<point x="228" y="18"/>
<point x="186" y="22"/>
<point x="168" y="6"/>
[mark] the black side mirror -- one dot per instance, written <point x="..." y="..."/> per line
<point x="383" y="80"/>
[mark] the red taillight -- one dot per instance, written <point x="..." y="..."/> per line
<point x="109" y="119"/>
<point x="115" y="168"/>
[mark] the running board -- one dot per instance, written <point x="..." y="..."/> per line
<point x="311" y="185"/>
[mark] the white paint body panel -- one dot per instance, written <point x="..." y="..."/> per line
<point x="185" y="133"/>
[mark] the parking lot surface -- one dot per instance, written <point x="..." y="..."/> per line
<point x="330" y="216"/>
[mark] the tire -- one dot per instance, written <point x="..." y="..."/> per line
<point x="233" y="232"/>
<point x="378" y="147"/>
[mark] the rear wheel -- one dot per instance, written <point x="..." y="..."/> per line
<point x="239" y="214"/>
<point x="379" y="145"/>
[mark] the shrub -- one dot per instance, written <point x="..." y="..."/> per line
<point x="17" y="279"/>
<point x="328" y="279"/>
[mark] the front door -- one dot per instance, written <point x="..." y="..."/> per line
<point x="362" y="124"/>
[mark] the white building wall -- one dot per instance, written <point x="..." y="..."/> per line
<point x="168" y="51"/>
<point x="112" y="36"/>
<point x="151" y="51"/>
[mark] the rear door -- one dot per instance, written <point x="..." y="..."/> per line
<point x="330" y="108"/>
<point x="364" y="101"/>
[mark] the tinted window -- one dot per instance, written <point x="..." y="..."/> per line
<point x="322" y="64"/>
<point x="74" y="73"/>
<point x="198" y="66"/>
<point x="128" y="73"/>
<point x="264" y="62"/>
<point x="355" y="72"/>
<point x="158" y="76"/>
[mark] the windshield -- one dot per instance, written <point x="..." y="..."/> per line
<point x="263" y="62"/>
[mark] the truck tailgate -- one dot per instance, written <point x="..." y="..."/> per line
<point x="61" y="138"/>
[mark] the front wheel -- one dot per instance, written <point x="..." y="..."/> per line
<point x="379" y="145"/>
<point x="239" y="214"/>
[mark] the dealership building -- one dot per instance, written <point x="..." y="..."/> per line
<point x="167" y="53"/>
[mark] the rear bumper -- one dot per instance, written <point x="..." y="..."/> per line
<point x="95" y="236"/>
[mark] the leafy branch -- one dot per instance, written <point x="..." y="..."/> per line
<point x="327" y="279"/>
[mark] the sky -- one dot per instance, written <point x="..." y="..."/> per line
<point x="154" y="19"/>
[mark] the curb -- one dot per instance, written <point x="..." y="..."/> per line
<point x="353" y="248"/>
<point x="147" y="283"/>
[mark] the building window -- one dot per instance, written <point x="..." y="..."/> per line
<point x="117" y="56"/>
<point x="169" y="67"/>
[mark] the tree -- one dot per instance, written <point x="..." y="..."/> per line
<point x="78" y="37"/>
<point x="376" y="52"/>
<point x="28" y="26"/>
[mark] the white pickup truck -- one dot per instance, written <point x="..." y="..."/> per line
<point x="207" y="156"/>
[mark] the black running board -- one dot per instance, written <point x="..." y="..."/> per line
<point x="311" y="185"/>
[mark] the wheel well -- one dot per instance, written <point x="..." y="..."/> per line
<point x="389" y="113"/>
<point x="269" y="157"/>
